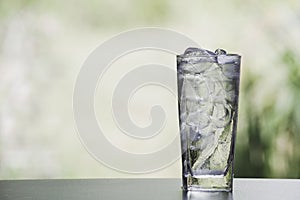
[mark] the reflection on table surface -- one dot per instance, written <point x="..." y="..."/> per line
<point x="196" y="195"/>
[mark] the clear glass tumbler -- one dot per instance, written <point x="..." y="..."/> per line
<point x="208" y="91"/>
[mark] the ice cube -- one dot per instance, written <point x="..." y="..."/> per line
<point x="207" y="146"/>
<point x="192" y="51"/>
<point x="220" y="157"/>
<point x="196" y="60"/>
<point x="224" y="59"/>
<point x="222" y="115"/>
<point x="220" y="52"/>
<point x="231" y="71"/>
<point x="201" y="120"/>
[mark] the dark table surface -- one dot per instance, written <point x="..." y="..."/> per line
<point x="143" y="189"/>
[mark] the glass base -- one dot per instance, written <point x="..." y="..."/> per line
<point x="192" y="195"/>
<point x="209" y="183"/>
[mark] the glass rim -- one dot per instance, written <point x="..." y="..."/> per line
<point x="208" y="56"/>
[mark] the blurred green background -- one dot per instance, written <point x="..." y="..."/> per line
<point x="43" y="44"/>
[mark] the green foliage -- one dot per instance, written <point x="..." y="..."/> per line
<point x="272" y="132"/>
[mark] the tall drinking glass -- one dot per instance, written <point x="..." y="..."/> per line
<point x="208" y="90"/>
